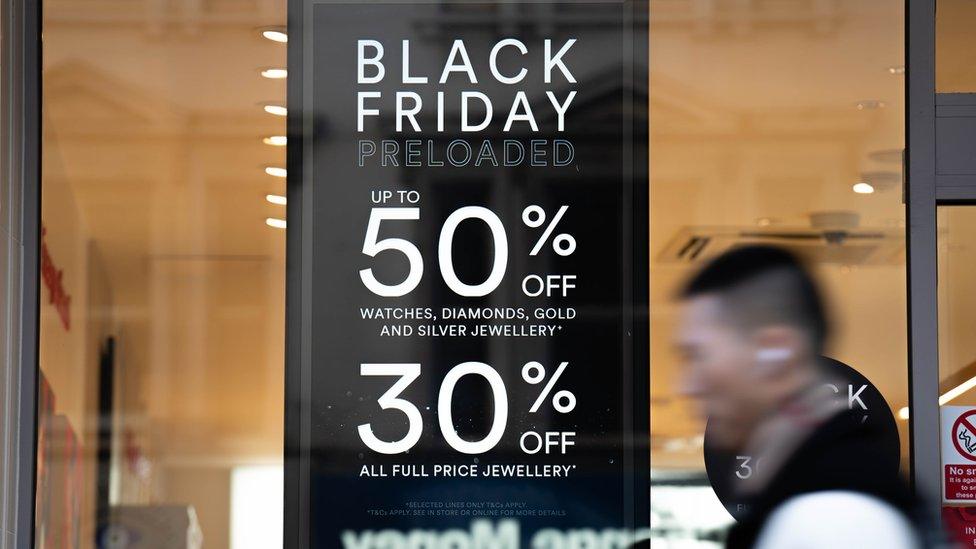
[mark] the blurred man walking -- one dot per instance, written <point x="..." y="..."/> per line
<point x="752" y="331"/>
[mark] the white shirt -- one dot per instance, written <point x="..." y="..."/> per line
<point x="832" y="519"/>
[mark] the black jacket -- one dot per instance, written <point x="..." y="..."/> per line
<point x="844" y="453"/>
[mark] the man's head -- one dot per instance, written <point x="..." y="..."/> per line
<point x="751" y="329"/>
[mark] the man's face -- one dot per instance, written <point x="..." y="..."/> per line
<point x="718" y="370"/>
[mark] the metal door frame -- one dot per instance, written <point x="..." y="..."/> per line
<point x="940" y="170"/>
<point x="20" y="149"/>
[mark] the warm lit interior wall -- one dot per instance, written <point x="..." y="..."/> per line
<point x="732" y="180"/>
<point x="159" y="129"/>
<point x="69" y="355"/>
<point x="955" y="55"/>
<point x="63" y="352"/>
<point x="957" y="297"/>
<point x="172" y="177"/>
<point x="754" y="119"/>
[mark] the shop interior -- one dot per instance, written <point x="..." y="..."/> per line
<point x="163" y="266"/>
<point x="778" y="123"/>
<point x="164" y="259"/>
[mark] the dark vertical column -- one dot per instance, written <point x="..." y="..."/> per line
<point x="19" y="225"/>
<point x="106" y="407"/>
<point x="296" y="381"/>
<point x="20" y="101"/>
<point x="641" y="264"/>
<point x="29" y="32"/>
<point x="922" y="252"/>
<point x="9" y="377"/>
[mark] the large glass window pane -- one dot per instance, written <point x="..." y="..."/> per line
<point x="957" y="308"/>
<point x="957" y="365"/>
<point x="163" y="255"/>
<point x="162" y="291"/>
<point x="778" y="123"/>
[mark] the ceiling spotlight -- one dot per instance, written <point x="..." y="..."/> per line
<point x="863" y="188"/>
<point x="903" y="413"/>
<point x="275" y="109"/>
<point x="276" y="199"/>
<point x="276" y="223"/>
<point x="274" y="73"/>
<point x="276" y="171"/>
<point x="276" y="140"/>
<point x="896" y="69"/>
<point x="275" y="34"/>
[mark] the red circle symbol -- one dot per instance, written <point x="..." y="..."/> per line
<point x="964" y="435"/>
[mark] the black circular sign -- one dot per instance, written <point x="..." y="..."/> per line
<point x="725" y="468"/>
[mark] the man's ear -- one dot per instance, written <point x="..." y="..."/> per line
<point x="777" y="348"/>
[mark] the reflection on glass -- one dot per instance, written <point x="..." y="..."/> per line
<point x="162" y="315"/>
<point x="162" y="284"/>
<point x="957" y="306"/>
<point x="957" y="362"/>
<point x="784" y="128"/>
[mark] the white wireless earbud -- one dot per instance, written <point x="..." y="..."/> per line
<point x="769" y="359"/>
<point x="773" y="354"/>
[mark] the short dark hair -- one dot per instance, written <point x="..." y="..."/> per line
<point x="764" y="285"/>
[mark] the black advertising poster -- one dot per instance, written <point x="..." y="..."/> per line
<point x="467" y="285"/>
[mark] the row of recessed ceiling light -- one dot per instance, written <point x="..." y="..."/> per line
<point x="280" y="35"/>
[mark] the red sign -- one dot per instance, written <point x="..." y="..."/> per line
<point x="52" y="277"/>
<point x="960" y="522"/>
<point x="960" y="482"/>
<point x="960" y="471"/>
<point x="964" y="435"/>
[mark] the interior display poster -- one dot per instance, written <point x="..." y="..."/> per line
<point x="467" y="275"/>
